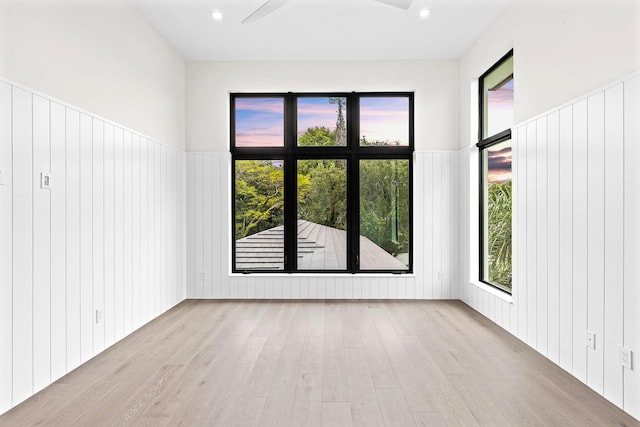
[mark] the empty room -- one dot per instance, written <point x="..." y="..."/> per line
<point x="320" y="212"/>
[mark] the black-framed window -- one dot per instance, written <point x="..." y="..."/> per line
<point x="494" y="134"/>
<point x="322" y="182"/>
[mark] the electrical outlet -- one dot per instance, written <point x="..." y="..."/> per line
<point x="203" y="275"/>
<point x="591" y="340"/>
<point x="625" y="358"/>
<point x="440" y="275"/>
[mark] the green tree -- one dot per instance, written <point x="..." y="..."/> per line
<point x="318" y="136"/>
<point x="384" y="203"/>
<point x="325" y="201"/>
<point x="259" y="196"/>
<point x="499" y="233"/>
<point x="341" y="126"/>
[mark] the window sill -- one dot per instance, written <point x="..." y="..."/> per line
<point x="493" y="291"/>
<point x="325" y="275"/>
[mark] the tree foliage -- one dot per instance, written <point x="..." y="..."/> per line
<point x="499" y="233"/>
<point x="259" y="196"/>
<point x="384" y="203"/>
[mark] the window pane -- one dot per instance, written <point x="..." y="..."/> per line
<point x="259" y="122"/>
<point x="322" y="211"/>
<point x="384" y="214"/>
<point x="322" y="121"/>
<point x="259" y="214"/>
<point x="497" y="215"/>
<point x="384" y="121"/>
<point x="498" y="99"/>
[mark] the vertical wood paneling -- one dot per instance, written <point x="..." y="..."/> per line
<point x="454" y="196"/>
<point x="86" y="237"/>
<point x="418" y="226"/>
<point x="580" y="234"/>
<point x="6" y="248"/>
<point x="144" y="230"/>
<point x="191" y="268"/>
<point x="62" y="251"/>
<point x="595" y="238"/>
<point x="41" y="246"/>
<point x="566" y="238"/>
<point x="128" y="232"/>
<point x="632" y="241"/>
<point x="119" y="233"/>
<point x="22" y="126"/>
<point x="73" y="238"/>
<point x="553" y="232"/>
<point x="530" y="192"/>
<point x="98" y="197"/>
<point x="446" y="226"/>
<point x="207" y="226"/>
<point x="58" y="243"/>
<point x="159" y="231"/>
<point x="151" y="230"/>
<point x="427" y="234"/>
<point x="614" y="243"/>
<point x="135" y="234"/>
<point x="436" y="235"/>
<point x="109" y="235"/>
<point x="542" y="249"/>
<point x="199" y="225"/>
<point x="585" y="240"/>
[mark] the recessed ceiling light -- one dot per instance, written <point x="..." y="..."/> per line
<point x="216" y="15"/>
<point x="424" y="13"/>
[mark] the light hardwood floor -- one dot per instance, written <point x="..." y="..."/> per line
<point x="330" y="363"/>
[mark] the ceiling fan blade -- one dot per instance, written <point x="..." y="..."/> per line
<point x="402" y="4"/>
<point x="268" y="7"/>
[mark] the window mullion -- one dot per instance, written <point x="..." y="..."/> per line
<point x="290" y="186"/>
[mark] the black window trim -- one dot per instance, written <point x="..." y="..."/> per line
<point x="290" y="152"/>
<point x="482" y="145"/>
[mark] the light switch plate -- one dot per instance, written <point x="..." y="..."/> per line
<point x="45" y="180"/>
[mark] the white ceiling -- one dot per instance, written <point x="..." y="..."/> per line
<point x="320" y="29"/>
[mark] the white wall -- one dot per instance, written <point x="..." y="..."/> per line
<point x="562" y="49"/>
<point x="435" y="240"/>
<point x="99" y="55"/>
<point x="108" y="235"/>
<point x="435" y="84"/>
<point x="576" y="241"/>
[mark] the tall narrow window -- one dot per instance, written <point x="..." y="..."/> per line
<point x="322" y="182"/>
<point x="496" y="119"/>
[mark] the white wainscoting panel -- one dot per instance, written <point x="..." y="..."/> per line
<point x="576" y="239"/>
<point x="71" y="263"/>
<point x="435" y="240"/>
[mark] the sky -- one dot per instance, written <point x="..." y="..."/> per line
<point x="500" y="109"/>
<point x="260" y="121"/>
<point x="499" y="163"/>
<point x="385" y="119"/>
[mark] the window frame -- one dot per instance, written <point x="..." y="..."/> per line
<point x="290" y="153"/>
<point x="484" y="144"/>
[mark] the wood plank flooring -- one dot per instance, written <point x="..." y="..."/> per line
<point x="318" y="363"/>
